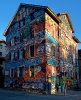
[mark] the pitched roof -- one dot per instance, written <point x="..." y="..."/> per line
<point x="66" y="13"/>
<point x="47" y="9"/>
<point x="2" y="41"/>
<point x="75" y="39"/>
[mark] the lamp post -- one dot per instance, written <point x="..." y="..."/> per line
<point x="64" y="78"/>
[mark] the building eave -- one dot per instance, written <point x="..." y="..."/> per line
<point x="2" y="41"/>
<point x="75" y="39"/>
<point x="53" y="14"/>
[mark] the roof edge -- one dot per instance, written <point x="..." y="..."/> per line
<point x="68" y="19"/>
<point x="75" y="39"/>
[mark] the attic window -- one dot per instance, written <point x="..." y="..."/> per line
<point x="64" y="17"/>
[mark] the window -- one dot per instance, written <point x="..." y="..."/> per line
<point x="0" y="53"/>
<point x="32" y="50"/>
<point x="21" y="72"/>
<point x="12" y="42"/>
<point x="0" y="46"/>
<point x="17" y="55"/>
<point x="32" y="32"/>
<point x="21" y="37"/>
<point x="22" y="23"/>
<point x="9" y="56"/>
<point x="11" y="72"/>
<point x="21" y="55"/>
<point x="31" y="71"/>
<point x="53" y="31"/>
<point x="53" y="50"/>
<point x="27" y="19"/>
<point x="22" y="10"/>
<point x="12" y="56"/>
<point x="1" y="62"/>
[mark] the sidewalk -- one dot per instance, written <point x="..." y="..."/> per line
<point x="70" y="93"/>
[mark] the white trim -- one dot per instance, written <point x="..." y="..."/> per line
<point x="11" y="73"/>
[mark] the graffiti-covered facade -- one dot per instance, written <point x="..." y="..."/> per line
<point x="68" y="50"/>
<point x="31" y="39"/>
<point x="39" y="45"/>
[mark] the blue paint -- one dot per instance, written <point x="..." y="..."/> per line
<point x="12" y="35"/>
<point x="13" y="64"/>
<point x="39" y="13"/>
<point x="33" y="61"/>
<point x="51" y="61"/>
<point x="29" y="62"/>
<point x="50" y="38"/>
<point x="27" y="19"/>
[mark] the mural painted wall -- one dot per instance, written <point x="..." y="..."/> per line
<point x="51" y="36"/>
<point x="25" y="49"/>
<point x="67" y="49"/>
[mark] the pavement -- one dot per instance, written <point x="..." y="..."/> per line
<point x="70" y="93"/>
<point x="6" y="94"/>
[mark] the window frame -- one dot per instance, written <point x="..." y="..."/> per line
<point x="11" y="74"/>
<point x="20" y="73"/>
<point x="0" y="53"/>
<point x="31" y="50"/>
<point x="1" y="46"/>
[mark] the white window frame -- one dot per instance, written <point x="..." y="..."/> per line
<point x="11" y="73"/>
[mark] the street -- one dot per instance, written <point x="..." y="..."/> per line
<point x="6" y="94"/>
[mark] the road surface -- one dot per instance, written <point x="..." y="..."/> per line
<point x="6" y="94"/>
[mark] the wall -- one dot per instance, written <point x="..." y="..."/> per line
<point x="26" y="30"/>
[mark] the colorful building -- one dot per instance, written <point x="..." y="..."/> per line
<point x="35" y="47"/>
<point x="68" y="49"/>
<point x="2" y="61"/>
<point x="79" y="62"/>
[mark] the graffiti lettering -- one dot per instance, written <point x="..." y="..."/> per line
<point x="13" y="34"/>
<point x="37" y="14"/>
<point x="34" y="61"/>
<point x="39" y="36"/>
<point x="40" y="49"/>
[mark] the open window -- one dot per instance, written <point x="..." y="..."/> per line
<point x="31" y="71"/>
<point x="31" y="50"/>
